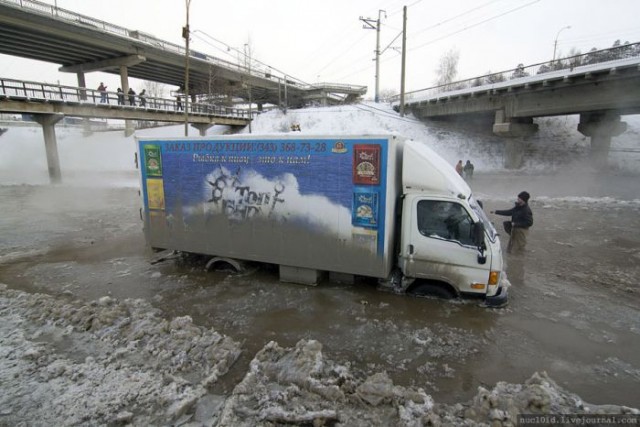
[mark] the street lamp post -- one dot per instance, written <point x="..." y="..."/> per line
<point x="555" y="43"/>
<point x="185" y="34"/>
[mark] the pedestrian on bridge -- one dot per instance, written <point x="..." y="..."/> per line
<point x="143" y="98"/>
<point x="178" y="103"/>
<point x="120" y="96"/>
<point x="132" y="97"/>
<point x="459" y="167"/>
<point x="103" y="93"/>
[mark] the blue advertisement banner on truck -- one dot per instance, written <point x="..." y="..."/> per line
<point x="333" y="187"/>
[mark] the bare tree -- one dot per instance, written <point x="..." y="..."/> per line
<point x="387" y="94"/>
<point x="448" y="68"/>
<point x="154" y="89"/>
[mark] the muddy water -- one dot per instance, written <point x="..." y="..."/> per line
<point x="573" y="310"/>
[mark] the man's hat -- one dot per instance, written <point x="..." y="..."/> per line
<point x="524" y="196"/>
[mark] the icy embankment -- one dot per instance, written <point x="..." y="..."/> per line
<point x="66" y="362"/>
<point x="110" y="362"/>
<point x="297" y="386"/>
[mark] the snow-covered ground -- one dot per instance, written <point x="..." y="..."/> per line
<point x="67" y="361"/>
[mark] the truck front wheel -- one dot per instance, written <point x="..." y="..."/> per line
<point x="431" y="290"/>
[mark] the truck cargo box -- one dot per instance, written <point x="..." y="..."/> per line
<point x="310" y="202"/>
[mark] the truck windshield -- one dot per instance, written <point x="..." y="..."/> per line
<point x="483" y="217"/>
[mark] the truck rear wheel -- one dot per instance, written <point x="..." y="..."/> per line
<point x="431" y="290"/>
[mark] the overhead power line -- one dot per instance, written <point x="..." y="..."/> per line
<point x="453" y="18"/>
<point x="453" y="32"/>
<point x="468" y="27"/>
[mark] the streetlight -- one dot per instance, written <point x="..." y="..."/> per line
<point x="185" y="34"/>
<point x="555" y="43"/>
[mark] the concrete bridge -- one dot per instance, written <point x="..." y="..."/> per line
<point x="48" y="104"/>
<point x="82" y="44"/>
<point x="600" y="86"/>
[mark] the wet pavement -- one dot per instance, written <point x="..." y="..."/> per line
<point x="573" y="308"/>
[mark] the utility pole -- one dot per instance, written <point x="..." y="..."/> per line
<point x="404" y="58"/>
<point x="185" y="35"/>
<point x="247" y="64"/>
<point x="369" y="25"/>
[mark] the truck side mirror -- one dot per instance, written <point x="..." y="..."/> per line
<point x="478" y="240"/>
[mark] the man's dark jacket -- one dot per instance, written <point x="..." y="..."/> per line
<point x="521" y="216"/>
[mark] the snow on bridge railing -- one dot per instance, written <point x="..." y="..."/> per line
<point x="50" y="93"/>
<point x="68" y="15"/>
<point x="570" y="63"/>
<point x="338" y="87"/>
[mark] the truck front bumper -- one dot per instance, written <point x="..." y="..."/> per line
<point x="500" y="299"/>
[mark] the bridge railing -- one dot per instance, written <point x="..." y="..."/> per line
<point x="339" y="87"/>
<point x="51" y="93"/>
<point x="569" y="63"/>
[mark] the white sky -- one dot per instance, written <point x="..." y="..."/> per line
<point x="324" y="40"/>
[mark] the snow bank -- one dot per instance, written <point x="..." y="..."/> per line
<point x="65" y="362"/>
<point x="110" y="362"/>
<point x="298" y="386"/>
<point x="556" y="146"/>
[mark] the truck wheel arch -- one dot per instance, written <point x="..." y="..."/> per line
<point x="222" y="263"/>
<point x="432" y="288"/>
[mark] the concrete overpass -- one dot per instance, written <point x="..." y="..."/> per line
<point x="82" y="44"/>
<point x="600" y="86"/>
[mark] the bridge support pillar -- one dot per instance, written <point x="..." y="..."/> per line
<point x="517" y="128"/>
<point x="202" y="127"/>
<point x="48" y="123"/>
<point x="600" y="127"/>
<point x="82" y="83"/>
<point x="513" y="153"/>
<point x="124" y="82"/>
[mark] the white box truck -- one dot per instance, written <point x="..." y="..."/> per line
<point x="372" y="206"/>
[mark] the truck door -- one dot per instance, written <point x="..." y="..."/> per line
<point x="438" y="243"/>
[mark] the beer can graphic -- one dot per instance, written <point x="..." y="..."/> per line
<point x="366" y="164"/>
<point x="152" y="160"/>
<point x="364" y="212"/>
<point x="155" y="193"/>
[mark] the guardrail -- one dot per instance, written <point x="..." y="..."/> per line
<point x="45" y="92"/>
<point x="569" y="63"/>
<point x="339" y="87"/>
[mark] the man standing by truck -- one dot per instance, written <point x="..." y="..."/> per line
<point x="521" y="220"/>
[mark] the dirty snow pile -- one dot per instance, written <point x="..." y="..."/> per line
<point x="110" y="362"/>
<point x="298" y="386"/>
<point x="66" y="362"/>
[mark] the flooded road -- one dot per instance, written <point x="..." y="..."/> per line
<point x="573" y="308"/>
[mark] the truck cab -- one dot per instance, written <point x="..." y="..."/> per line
<point x="448" y="247"/>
